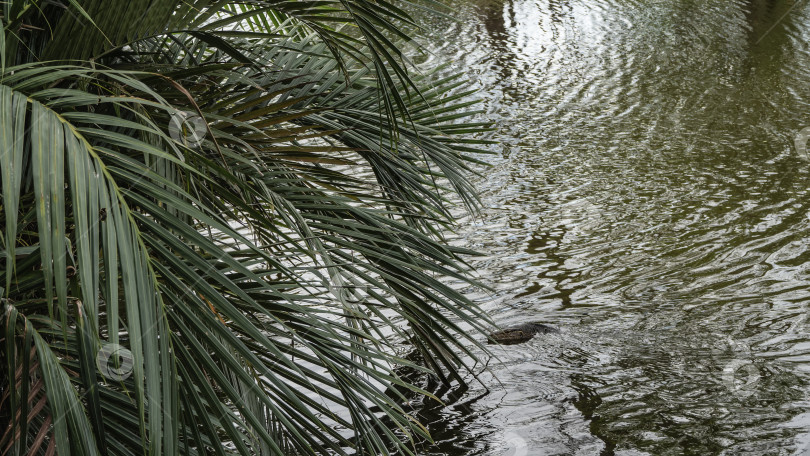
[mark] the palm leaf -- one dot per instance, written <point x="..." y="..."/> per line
<point x="257" y="282"/>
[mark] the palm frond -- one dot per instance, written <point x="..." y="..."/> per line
<point x="255" y="277"/>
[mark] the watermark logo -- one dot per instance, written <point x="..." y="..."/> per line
<point x="800" y="141"/>
<point x="514" y="445"/>
<point x="740" y="375"/>
<point x="417" y="55"/>
<point x="114" y="362"/>
<point x="347" y="289"/>
<point x="187" y="128"/>
<point x="741" y="385"/>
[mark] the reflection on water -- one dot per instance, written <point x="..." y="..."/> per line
<point x="649" y="201"/>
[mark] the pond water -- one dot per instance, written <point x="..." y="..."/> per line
<point x="650" y="202"/>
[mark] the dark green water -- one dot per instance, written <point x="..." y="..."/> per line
<point x="650" y="202"/>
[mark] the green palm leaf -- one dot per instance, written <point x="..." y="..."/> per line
<point x="255" y="270"/>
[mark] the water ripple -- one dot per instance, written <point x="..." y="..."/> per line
<point x="649" y="202"/>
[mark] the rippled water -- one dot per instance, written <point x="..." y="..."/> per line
<point x="650" y="202"/>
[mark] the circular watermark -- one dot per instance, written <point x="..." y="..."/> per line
<point x="417" y="56"/>
<point x="741" y="385"/>
<point x="800" y="142"/>
<point x="346" y="288"/>
<point x="514" y="445"/>
<point x="740" y="375"/>
<point x="114" y="362"/>
<point x="187" y="128"/>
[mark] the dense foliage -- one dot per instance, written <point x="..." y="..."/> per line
<point x="220" y="220"/>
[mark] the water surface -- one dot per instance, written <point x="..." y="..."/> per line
<point x="649" y="201"/>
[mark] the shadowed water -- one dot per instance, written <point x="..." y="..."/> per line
<point x="648" y="201"/>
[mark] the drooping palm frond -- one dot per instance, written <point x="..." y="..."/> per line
<point x="235" y="283"/>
